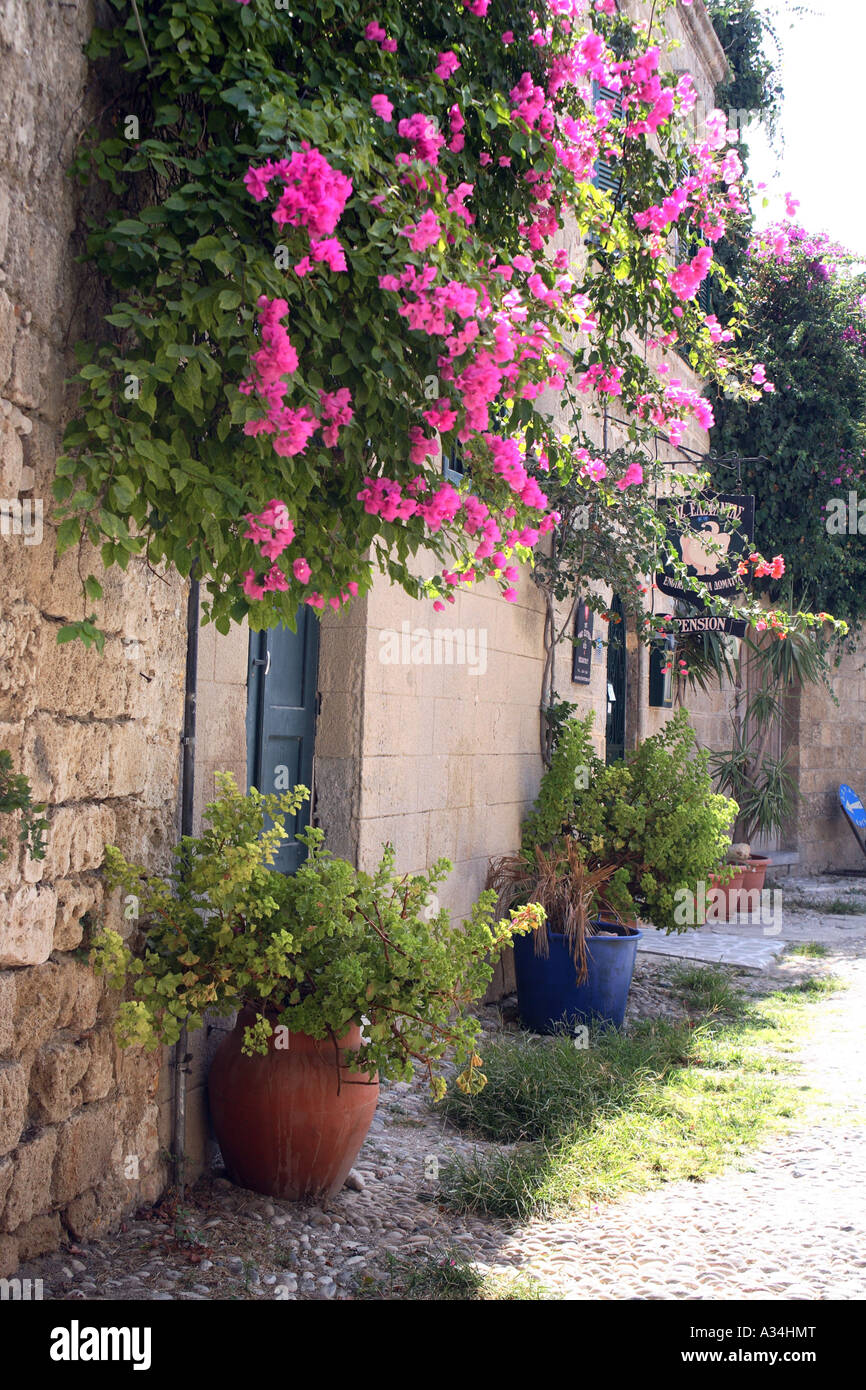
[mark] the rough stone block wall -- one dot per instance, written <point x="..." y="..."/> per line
<point x="98" y="736"/>
<point x="830" y="748"/>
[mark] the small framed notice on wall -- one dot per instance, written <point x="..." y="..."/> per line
<point x="581" y="660"/>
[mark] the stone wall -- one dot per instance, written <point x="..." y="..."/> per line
<point x="827" y="747"/>
<point x="98" y="736"/>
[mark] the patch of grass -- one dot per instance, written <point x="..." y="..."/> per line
<point x="448" y="1276"/>
<point x="708" y="988"/>
<point x="809" y="948"/>
<point x="661" y="1103"/>
<point x="538" y="1088"/>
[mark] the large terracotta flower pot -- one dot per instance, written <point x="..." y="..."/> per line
<point x="725" y="911"/>
<point x="290" y="1123"/>
<point x="754" y="872"/>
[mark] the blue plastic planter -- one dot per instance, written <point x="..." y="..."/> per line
<point x="547" y="995"/>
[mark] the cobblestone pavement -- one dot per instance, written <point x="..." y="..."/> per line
<point x="789" y="1221"/>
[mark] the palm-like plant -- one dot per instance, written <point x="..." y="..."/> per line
<point x="747" y="771"/>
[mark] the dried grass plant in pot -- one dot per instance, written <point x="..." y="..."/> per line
<point x="578" y="968"/>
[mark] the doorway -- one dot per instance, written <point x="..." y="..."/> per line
<point x="614" y="734"/>
<point x="282" y="683"/>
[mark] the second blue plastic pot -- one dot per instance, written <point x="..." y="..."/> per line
<point x="548" y="997"/>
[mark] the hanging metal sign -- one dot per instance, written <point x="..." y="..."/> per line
<point x="710" y="534"/>
<point x="709" y="622"/>
<point x="581" y="660"/>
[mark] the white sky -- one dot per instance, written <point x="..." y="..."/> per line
<point x="823" y="159"/>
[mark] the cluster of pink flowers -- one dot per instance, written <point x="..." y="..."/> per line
<point x="273" y="532"/>
<point x="387" y="498"/>
<point x="447" y="65"/>
<point x="382" y="107"/>
<point x="424" y="136"/>
<point x="687" y="279"/>
<point x="783" y="242"/>
<point x="376" y="34"/>
<point x="291" y="427"/>
<point x="314" y="196"/>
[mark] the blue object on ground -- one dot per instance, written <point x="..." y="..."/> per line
<point x="548" y="996"/>
<point x="855" y="813"/>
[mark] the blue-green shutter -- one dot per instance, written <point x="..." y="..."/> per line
<point x="606" y="177"/>
<point x="281" y="719"/>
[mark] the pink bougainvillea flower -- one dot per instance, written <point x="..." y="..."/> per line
<point x="382" y="106"/>
<point x="686" y="280"/>
<point x="632" y="476"/>
<point x="336" y="410"/>
<point x="424" y="135"/>
<point x="448" y="64"/>
<point x="424" y="232"/>
<point x="374" y="32"/>
<point x="330" y="251"/>
<point x="314" y="193"/>
<point x="389" y="45"/>
<point x="301" y="570"/>
<point x="508" y="36"/>
<point x="251" y="585"/>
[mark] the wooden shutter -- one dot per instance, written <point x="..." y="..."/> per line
<point x="281" y="719"/>
<point x="606" y="175"/>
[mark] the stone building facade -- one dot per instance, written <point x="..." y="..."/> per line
<point x="98" y="737"/>
<point x="439" y="757"/>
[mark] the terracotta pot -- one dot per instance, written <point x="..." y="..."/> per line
<point x="754" y="873"/>
<point x="724" y="910"/>
<point x="290" y="1123"/>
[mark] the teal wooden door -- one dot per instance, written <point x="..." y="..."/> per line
<point x="616" y="683"/>
<point x="281" y="718"/>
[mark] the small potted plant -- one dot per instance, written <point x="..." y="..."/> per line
<point x="336" y="975"/>
<point x="578" y="964"/>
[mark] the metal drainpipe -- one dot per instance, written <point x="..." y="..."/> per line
<point x="186" y="828"/>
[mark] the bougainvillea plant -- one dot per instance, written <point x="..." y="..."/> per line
<point x="347" y="236"/>
<point x="808" y="324"/>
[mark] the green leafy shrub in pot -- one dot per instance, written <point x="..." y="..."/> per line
<point x="653" y="815"/>
<point x="316" y="952"/>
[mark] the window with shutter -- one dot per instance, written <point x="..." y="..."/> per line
<point x="453" y="466"/>
<point x="606" y="175"/>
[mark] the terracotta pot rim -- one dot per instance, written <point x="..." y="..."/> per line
<point x="346" y="1043"/>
